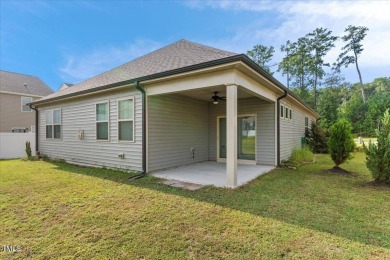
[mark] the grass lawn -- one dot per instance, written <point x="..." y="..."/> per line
<point x="54" y="210"/>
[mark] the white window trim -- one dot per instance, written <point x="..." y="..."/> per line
<point x="121" y="120"/>
<point x="308" y="122"/>
<point x="53" y="124"/>
<point x="282" y="109"/>
<point x="21" y="104"/>
<point x="287" y="109"/>
<point x="286" y="116"/>
<point x="108" y="121"/>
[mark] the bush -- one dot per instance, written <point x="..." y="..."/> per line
<point x="299" y="156"/>
<point x="317" y="139"/>
<point x="340" y="142"/>
<point x="378" y="155"/>
<point x="28" y="150"/>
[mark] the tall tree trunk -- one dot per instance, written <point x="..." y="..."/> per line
<point x="288" y="77"/>
<point x="360" y="78"/>
<point x="302" y="73"/>
<point x="315" y="84"/>
<point x="288" y="80"/>
<point x="288" y="70"/>
<point x="315" y="92"/>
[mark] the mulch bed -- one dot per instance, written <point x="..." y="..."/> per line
<point x="338" y="170"/>
<point x="379" y="184"/>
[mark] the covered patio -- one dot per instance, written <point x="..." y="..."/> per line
<point x="225" y="143"/>
<point x="212" y="173"/>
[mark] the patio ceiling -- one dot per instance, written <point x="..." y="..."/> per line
<point x="205" y="94"/>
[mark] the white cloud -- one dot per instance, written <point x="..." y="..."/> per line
<point x="338" y="15"/>
<point x="234" y="5"/>
<point x="295" y="19"/>
<point x="36" y="8"/>
<point x="80" y="67"/>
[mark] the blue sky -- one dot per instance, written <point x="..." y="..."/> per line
<point x="70" y="41"/>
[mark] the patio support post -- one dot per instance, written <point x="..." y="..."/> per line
<point x="231" y="135"/>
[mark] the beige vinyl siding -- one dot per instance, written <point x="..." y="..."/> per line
<point x="11" y="114"/>
<point x="291" y="131"/>
<point x="79" y="114"/>
<point x="175" y="124"/>
<point x="265" y="128"/>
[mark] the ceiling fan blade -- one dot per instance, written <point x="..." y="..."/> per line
<point x="216" y="97"/>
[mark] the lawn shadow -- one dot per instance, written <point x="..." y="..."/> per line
<point x="274" y="195"/>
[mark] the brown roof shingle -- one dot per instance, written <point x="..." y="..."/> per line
<point x="23" y="84"/>
<point x="180" y="54"/>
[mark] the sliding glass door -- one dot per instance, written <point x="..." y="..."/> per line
<point x="246" y="138"/>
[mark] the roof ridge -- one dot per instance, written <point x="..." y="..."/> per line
<point x="123" y="64"/>
<point x="215" y="50"/>
<point x="20" y="73"/>
<point x="206" y="46"/>
<point x="23" y="83"/>
<point x="179" y="54"/>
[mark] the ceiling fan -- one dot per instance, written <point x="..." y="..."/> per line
<point x="217" y="98"/>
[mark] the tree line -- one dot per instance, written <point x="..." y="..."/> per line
<point x="321" y="84"/>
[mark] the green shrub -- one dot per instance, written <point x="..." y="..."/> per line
<point x="340" y="142"/>
<point x="302" y="155"/>
<point x="28" y="150"/>
<point x="317" y="139"/>
<point x="378" y="155"/>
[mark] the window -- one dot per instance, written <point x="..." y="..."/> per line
<point x="282" y="111"/>
<point x="290" y="113"/>
<point x="25" y="101"/>
<point x="286" y="114"/>
<point x="53" y="124"/>
<point x="102" y="121"/>
<point x="306" y="125"/>
<point x="126" y="119"/>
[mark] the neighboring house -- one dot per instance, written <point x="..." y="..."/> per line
<point x="16" y="91"/>
<point x="160" y="111"/>
<point x="65" y="86"/>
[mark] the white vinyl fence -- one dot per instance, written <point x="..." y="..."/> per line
<point x="13" y="145"/>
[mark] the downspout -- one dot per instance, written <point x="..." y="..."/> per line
<point x="36" y="129"/>
<point x="278" y="126"/>
<point x="143" y="173"/>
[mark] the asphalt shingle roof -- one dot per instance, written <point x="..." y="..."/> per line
<point x="65" y="86"/>
<point x="24" y="84"/>
<point x="180" y="54"/>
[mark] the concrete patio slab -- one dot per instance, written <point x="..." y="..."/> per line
<point x="211" y="173"/>
<point x="183" y="185"/>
